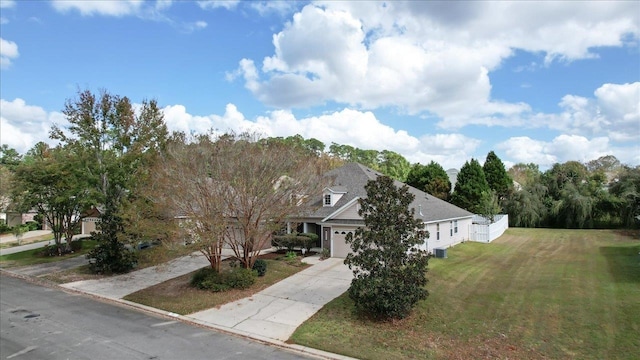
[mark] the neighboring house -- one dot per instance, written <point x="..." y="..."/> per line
<point x="336" y="212"/>
<point x="13" y="218"/>
<point x="453" y="177"/>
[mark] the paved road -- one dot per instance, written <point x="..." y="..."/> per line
<point x="44" y="323"/>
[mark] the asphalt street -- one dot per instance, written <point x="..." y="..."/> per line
<point x="45" y="323"/>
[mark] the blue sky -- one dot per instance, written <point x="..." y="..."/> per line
<point x="539" y="82"/>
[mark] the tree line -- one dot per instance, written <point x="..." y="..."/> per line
<point x="126" y="164"/>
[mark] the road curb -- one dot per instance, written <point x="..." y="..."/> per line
<point x="299" y="349"/>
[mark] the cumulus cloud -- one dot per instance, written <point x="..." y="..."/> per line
<point x="5" y="4"/>
<point x="147" y="10"/>
<point x="24" y="125"/>
<point x="426" y="57"/>
<point x="348" y="127"/>
<point x="8" y="52"/>
<point x="105" y="7"/>
<point x="614" y="111"/>
<point x="216" y="4"/>
<point x="564" y="148"/>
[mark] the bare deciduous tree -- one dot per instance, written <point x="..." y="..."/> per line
<point x="235" y="191"/>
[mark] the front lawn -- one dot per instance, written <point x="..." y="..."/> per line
<point x="531" y="294"/>
<point x="36" y="256"/>
<point x="178" y="296"/>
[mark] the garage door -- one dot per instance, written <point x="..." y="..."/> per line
<point x="340" y="247"/>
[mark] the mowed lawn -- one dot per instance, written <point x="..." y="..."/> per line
<point x="531" y="294"/>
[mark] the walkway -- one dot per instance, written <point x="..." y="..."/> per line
<point x="119" y="286"/>
<point x="275" y="312"/>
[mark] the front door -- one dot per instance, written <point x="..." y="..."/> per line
<point x="326" y="238"/>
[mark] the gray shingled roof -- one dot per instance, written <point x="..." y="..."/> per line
<point x="353" y="177"/>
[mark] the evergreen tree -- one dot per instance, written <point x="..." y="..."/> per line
<point x="431" y="179"/>
<point x="472" y="190"/>
<point x="497" y="178"/>
<point x="389" y="271"/>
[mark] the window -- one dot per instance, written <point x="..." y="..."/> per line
<point x="455" y="226"/>
<point x="437" y="231"/>
<point x="327" y="200"/>
<point x="450" y="228"/>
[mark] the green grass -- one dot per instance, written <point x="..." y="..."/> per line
<point x="531" y="294"/>
<point x="35" y="256"/>
<point x="46" y="237"/>
<point x="176" y="295"/>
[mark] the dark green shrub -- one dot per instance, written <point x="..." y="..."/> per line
<point x="240" y="278"/>
<point x="201" y="275"/>
<point x="282" y="242"/>
<point x="32" y="225"/>
<point x="294" y="240"/>
<point x="260" y="266"/>
<point x="111" y="257"/>
<point x="235" y="278"/>
<point x="312" y="242"/>
<point x="76" y="245"/>
<point x="4" y="228"/>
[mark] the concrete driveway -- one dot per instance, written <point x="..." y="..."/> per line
<point x="275" y="312"/>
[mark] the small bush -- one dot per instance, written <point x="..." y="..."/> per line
<point x="76" y="245"/>
<point x="294" y="240"/>
<point x="240" y="278"/>
<point x="4" y="228"/>
<point x="209" y="279"/>
<point x="201" y="275"/>
<point x="260" y="266"/>
<point x="326" y="253"/>
<point x="32" y="225"/>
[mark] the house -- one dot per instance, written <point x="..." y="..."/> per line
<point x="336" y="212"/>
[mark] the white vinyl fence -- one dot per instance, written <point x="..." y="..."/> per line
<point x="483" y="230"/>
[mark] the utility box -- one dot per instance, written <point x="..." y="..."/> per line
<point x="441" y="252"/>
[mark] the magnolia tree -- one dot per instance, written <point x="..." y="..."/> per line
<point x="235" y="191"/>
<point x="388" y="266"/>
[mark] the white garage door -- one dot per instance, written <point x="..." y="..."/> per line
<point x="340" y="247"/>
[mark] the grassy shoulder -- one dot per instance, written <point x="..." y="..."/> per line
<point x="38" y="256"/>
<point x="178" y="296"/>
<point x="31" y="240"/>
<point x="532" y="294"/>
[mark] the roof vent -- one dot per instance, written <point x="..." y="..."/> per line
<point x="420" y="209"/>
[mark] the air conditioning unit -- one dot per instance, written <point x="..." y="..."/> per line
<point x="441" y="252"/>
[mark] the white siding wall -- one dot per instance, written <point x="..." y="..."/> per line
<point x="448" y="237"/>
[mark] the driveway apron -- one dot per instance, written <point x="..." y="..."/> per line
<point x="276" y="311"/>
<point x="117" y="287"/>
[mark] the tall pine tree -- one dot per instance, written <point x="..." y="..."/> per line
<point x="472" y="191"/>
<point x="497" y="178"/>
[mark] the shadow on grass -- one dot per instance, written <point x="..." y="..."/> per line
<point x="623" y="262"/>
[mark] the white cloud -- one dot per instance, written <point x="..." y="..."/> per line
<point x="24" y="125"/>
<point x="5" y="4"/>
<point x="614" y="111"/>
<point x="216" y="4"/>
<point x="4" y="20"/>
<point x="8" y="52"/>
<point x="347" y="127"/>
<point x="273" y="6"/>
<point x="426" y="57"/>
<point x="564" y="148"/>
<point x="104" y="7"/>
